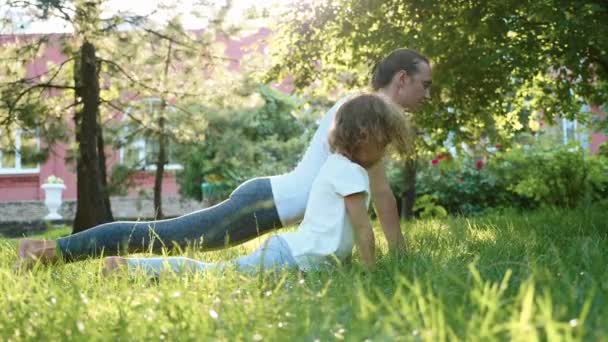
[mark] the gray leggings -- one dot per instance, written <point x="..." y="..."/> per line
<point x="249" y="212"/>
<point x="273" y="254"/>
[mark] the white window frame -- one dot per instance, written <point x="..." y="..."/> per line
<point x="140" y="144"/>
<point x="580" y="133"/>
<point x="18" y="169"/>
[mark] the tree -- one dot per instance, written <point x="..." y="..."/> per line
<point x="173" y="73"/>
<point x="93" y="206"/>
<point x="243" y="142"/>
<point x="491" y="60"/>
<point x="93" y="81"/>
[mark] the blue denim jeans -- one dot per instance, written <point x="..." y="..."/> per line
<point x="248" y="213"/>
<point x="273" y="254"/>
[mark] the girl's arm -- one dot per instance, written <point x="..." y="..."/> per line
<point x="386" y="207"/>
<point x="362" y="227"/>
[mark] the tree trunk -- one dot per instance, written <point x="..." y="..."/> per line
<point x="162" y="147"/>
<point x="408" y="197"/>
<point x="102" y="168"/>
<point x="91" y="204"/>
<point x="160" y="166"/>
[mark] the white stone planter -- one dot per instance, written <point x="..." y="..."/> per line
<point x="52" y="199"/>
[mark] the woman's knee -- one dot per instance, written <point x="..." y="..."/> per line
<point x="251" y="187"/>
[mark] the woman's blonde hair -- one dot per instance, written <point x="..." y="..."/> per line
<point x="369" y="118"/>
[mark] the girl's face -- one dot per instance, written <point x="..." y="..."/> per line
<point x="368" y="154"/>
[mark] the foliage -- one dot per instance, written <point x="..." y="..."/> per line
<point x="428" y="208"/>
<point x="497" y="65"/>
<point x="52" y="179"/>
<point x="121" y="179"/>
<point x="525" y="177"/>
<point x="275" y="117"/>
<point x="562" y="175"/>
<point x="244" y="143"/>
<point x="169" y="75"/>
<point x="603" y="150"/>
<point x="600" y="122"/>
<point x="465" y="186"/>
<point x="491" y="60"/>
<point x="536" y="276"/>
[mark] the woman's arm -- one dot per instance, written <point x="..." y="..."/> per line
<point x="362" y="227"/>
<point x="386" y="207"/>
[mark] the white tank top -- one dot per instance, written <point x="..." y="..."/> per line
<point x="290" y="190"/>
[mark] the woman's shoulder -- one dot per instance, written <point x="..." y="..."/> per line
<point x="332" y="111"/>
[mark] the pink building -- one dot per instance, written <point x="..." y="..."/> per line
<point x="20" y="179"/>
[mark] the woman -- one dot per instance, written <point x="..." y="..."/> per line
<point x="258" y="205"/>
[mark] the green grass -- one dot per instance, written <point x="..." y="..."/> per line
<point x="536" y="276"/>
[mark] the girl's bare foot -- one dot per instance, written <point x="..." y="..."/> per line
<point x="32" y="251"/>
<point x="113" y="265"/>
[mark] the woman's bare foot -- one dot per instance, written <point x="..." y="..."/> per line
<point x="113" y="265"/>
<point x="32" y="251"/>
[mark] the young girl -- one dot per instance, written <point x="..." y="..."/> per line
<point x="336" y="213"/>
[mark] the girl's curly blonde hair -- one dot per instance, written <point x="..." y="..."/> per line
<point x="369" y="118"/>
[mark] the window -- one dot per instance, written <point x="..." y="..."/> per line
<point x="569" y="130"/>
<point x="573" y="131"/>
<point x="18" y="151"/>
<point x="142" y="151"/>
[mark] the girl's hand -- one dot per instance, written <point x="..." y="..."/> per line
<point x="362" y="228"/>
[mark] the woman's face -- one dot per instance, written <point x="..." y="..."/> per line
<point x="413" y="90"/>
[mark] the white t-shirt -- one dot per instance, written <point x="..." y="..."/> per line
<point x="290" y="190"/>
<point x="326" y="229"/>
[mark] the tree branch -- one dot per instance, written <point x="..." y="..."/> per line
<point x="117" y="108"/>
<point x="143" y="126"/>
<point x="11" y="106"/>
<point x="33" y="78"/>
<point x="182" y="44"/>
<point x="73" y="104"/>
<point x="58" y="70"/>
<point x="183" y="109"/>
<point x="113" y="22"/>
<point x="62" y="9"/>
<point x="145" y="86"/>
<point x="66" y="16"/>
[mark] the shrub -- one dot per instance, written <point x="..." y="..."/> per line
<point x="426" y="206"/>
<point x="243" y="144"/>
<point x="523" y="177"/>
<point x="463" y="186"/>
<point x="556" y="175"/>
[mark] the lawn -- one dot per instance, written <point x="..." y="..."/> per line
<point x="532" y="276"/>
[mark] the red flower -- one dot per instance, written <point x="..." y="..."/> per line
<point x="498" y="146"/>
<point x="479" y="165"/>
<point x="434" y="162"/>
